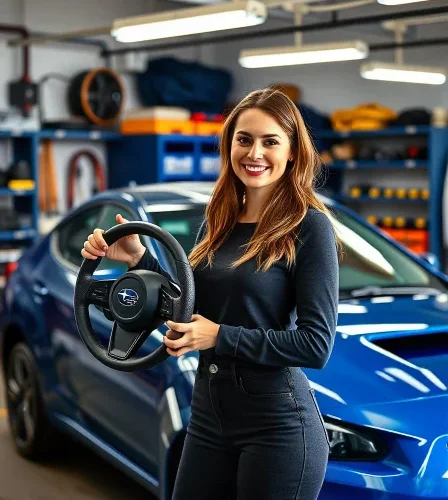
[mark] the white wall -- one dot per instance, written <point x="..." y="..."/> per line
<point x="326" y="86"/>
<point x="67" y="59"/>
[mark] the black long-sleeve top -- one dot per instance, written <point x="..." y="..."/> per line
<point x="280" y="317"/>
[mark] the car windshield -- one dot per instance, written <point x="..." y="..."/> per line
<point x="371" y="264"/>
<point x="182" y="221"/>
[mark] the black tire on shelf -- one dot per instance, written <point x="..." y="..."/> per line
<point x="33" y="435"/>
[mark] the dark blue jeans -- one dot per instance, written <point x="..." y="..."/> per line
<point x="255" y="433"/>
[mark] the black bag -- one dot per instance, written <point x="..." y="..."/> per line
<point x="190" y="85"/>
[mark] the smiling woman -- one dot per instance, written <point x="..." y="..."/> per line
<point x="258" y="158"/>
<point x="269" y="171"/>
<point x="266" y="275"/>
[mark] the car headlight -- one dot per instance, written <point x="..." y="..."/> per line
<point x="348" y="443"/>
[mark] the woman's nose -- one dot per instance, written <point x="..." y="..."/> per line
<point x="255" y="152"/>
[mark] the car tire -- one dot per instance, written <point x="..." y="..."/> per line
<point x="34" y="437"/>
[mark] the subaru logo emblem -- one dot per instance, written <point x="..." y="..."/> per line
<point x="127" y="297"/>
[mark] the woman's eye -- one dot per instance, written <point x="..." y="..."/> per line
<point x="243" y="140"/>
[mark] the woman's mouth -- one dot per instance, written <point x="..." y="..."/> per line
<point x="254" y="170"/>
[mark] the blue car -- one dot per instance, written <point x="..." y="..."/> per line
<point x="383" y="394"/>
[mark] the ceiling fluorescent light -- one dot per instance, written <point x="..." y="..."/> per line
<point x="190" y="21"/>
<point x="398" y="2"/>
<point x="403" y="73"/>
<point x="303" y="54"/>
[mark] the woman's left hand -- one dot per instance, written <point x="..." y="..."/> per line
<point x="198" y="335"/>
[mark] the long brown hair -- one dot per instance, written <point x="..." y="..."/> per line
<point x="276" y="230"/>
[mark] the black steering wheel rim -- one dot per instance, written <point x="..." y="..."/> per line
<point x="182" y="306"/>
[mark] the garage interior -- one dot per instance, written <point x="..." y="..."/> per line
<point x="88" y="105"/>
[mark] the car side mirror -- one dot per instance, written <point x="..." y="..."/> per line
<point x="431" y="259"/>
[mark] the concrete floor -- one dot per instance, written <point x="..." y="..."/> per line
<point x="78" y="475"/>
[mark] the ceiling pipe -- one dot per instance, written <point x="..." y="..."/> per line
<point x="339" y="23"/>
<point x="70" y="35"/>
<point x="27" y="35"/>
<point x="24" y="33"/>
<point x="100" y="44"/>
<point x="414" y="43"/>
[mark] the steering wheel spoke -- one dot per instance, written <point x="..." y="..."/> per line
<point x="123" y="343"/>
<point x="98" y="292"/>
<point x="167" y="302"/>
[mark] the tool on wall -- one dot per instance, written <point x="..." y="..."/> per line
<point x="75" y="173"/>
<point x="22" y="92"/>
<point x="48" y="194"/>
<point x="94" y="98"/>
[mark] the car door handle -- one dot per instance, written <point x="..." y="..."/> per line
<point x="40" y="288"/>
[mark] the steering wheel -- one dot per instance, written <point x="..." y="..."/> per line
<point x="137" y="302"/>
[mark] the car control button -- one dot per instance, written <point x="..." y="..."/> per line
<point x="166" y="304"/>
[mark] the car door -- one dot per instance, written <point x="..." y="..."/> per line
<point x="53" y="280"/>
<point x="120" y="407"/>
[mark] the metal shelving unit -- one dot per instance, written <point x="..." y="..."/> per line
<point x="385" y="132"/>
<point x="366" y="199"/>
<point x="81" y="135"/>
<point x="24" y="146"/>
<point x="353" y="164"/>
<point x="18" y="234"/>
<point x="436" y="142"/>
<point x="17" y="192"/>
<point x="159" y="158"/>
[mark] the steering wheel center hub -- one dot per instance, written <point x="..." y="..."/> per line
<point x="134" y="300"/>
<point x="127" y="298"/>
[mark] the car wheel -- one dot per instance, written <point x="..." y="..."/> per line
<point x="33" y="435"/>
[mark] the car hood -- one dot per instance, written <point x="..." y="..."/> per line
<point x="386" y="349"/>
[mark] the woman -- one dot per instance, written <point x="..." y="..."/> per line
<point x="266" y="275"/>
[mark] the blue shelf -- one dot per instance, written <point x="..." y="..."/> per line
<point x="391" y="131"/>
<point x="354" y="164"/>
<point x="17" y="192"/>
<point x="18" y="234"/>
<point x="84" y="135"/>
<point x="366" y="199"/>
<point x="16" y="133"/>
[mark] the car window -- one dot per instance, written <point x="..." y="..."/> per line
<point x="71" y="236"/>
<point x="371" y="260"/>
<point x="182" y="221"/>
<point x="106" y="221"/>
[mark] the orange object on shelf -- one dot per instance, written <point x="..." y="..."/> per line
<point x="416" y="240"/>
<point x="156" y="126"/>
<point x="207" y="128"/>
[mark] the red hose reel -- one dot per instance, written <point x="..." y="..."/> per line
<point x="74" y="173"/>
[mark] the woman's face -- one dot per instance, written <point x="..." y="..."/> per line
<point x="260" y="149"/>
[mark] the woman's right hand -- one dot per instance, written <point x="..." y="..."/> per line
<point x="128" y="249"/>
